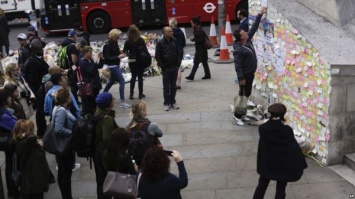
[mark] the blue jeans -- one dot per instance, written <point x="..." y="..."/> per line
<point x="116" y="75"/>
<point x="169" y="85"/>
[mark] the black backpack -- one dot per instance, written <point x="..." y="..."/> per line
<point x="143" y="57"/>
<point x="139" y="142"/>
<point x="83" y="138"/>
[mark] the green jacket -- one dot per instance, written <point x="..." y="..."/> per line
<point x="32" y="163"/>
<point x="104" y="129"/>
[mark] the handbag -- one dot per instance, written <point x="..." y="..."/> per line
<point x="207" y="43"/>
<point x="120" y="185"/>
<point x="86" y="89"/>
<point x="56" y="143"/>
<point x="241" y="104"/>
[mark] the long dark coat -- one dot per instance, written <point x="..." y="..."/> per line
<point x="199" y="39"/>
<point x="32" y="162"/>
<point x="4" y="31"/>
<point x="279" y="156"/>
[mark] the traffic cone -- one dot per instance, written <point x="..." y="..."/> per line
<point x="229" y="35"/>
<point x="213" y="34"/>
<point x="223" y="52"/>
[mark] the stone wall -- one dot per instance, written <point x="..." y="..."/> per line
<point x="296" y="67"/>
<point x="339" y="12"/>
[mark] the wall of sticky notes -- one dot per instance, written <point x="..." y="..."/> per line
<point x="291" y="71"/>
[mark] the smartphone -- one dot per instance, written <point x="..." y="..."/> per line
<point x="169" y="153"/>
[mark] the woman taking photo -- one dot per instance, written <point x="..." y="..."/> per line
<point x="27" y="97"/>
<point x="31" y="161"/>
<point x="16" y="106"/>
<point x="131" y="46"/>
<point x="90" y="74"/>
<point x="7" y="123"/>
<point x="156" y="181"/>
<point x="63" y="123"/>
<point x="112" y="57"/>
<point x="279" y="156"/>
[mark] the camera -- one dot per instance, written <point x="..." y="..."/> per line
<point x="25" y="94"/>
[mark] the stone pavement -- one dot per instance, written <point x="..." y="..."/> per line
<point x="220" y="157"/>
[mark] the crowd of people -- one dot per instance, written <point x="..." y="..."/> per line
<point x="32" y="87"/>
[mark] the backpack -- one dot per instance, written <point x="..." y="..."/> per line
<point x="62" y="57"/>
<point x="5" y="136"/>
<point x="83" y="138"/>
<point x="143" y="57"/>
<point x="139" y="142"/>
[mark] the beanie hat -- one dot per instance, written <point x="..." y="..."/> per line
<point x="22" y="36"/>
<point x="277" y="110"/>
<point x="31" y="28"/>
<point x="35" y="42"/>
<point x="104" y="99"/>
<point x="154" y="130"/>
<point x="71" y="33"/>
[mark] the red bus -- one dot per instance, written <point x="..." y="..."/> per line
<point x="99" y="16"/>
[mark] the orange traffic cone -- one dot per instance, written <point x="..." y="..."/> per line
<point x="229" y="35"/>
<point x="213" y="34"/>
<point x="223" y="52"/>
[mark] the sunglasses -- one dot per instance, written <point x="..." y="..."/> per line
<point x="19" y="39"/>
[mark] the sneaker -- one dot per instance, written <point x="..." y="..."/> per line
<point x="124" y="105"/>
<point x="166" y="108"/>
<point x="245" y="118"/>
<point x="250" y="103"/>
<point x="174" y="106"/>
<point x="238" y="121"/>
<point x="131" y="97"/>
<point x="189" y="78"/>
<point x="141" y="96"/>
<point x="77" y="166"/>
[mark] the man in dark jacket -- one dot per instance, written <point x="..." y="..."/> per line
<point x="33" y="34"/>
<point x="81" y="33"/>
<point x="167" y="55"/>
<point x="245" y="60"/>
<point x="243" y="17"/>
<point x="23" y="51"/>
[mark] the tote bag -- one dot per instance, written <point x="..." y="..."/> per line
<point x="241" y="104"/>
<point x="120" y="185"/>
<point x="56" y="143"/>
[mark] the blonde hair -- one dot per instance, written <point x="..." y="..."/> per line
<point x="133" y="33"/>
<point x="173" y="22"/>
<point x="114" y="33"/>
<point x="22" y="126"/>
<point x="139" y="110"/>
<point x="9" y="67"/>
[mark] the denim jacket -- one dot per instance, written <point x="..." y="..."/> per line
<point x="63" y="120"/>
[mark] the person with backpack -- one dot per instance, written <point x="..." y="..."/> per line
<point x="113" y="55"/>
<point x="179" y="35"/>
<point x="7" y="123"/>
<point x="16" y="106"/>
<point x="64" y="121"/>
<point x="26" y="97"/>
<point x="57" y="81"/>
<point x="33" y="34"/>
<point x="31" y="161"/>
<point x="104" y="128"/>
<point x="140" y="124"/>
<point x="201" y="54"/>
<point x="67" y="58"/>
<point x="167" y="54"/>
<point x="88" y="69"/>
<point x="81" y="33"/>
<point x="131" y="48"/>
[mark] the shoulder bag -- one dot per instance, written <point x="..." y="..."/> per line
<point x="86" y="89"/>
<point x="56" y="143"/>
<point x="120" y="185"/>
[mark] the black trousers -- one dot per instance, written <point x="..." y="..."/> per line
<point x="34" y="196"/>
<point x="136" y="72"/>
<point x="41" y="122"/>
<point x="65" y="166"/>
<point x="100" y="173"/>
<point x="73" y="84"/>
<point x="12" y="190"/>
<point x="246" y="90"/>
<point x="264" y="183"/>
<point x="206" y="68"/>
<point x="89" y="104"/>
<point x="169" y="85"/>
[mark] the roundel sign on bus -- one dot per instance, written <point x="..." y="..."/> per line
<point x="209" y="7"/>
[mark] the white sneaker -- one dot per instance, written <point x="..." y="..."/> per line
<point x="245" y="118"/>
<point x="166" y="108"/>
<point x="250" y="103"/>
<point x="77" y="166"/>
<point x="124" y="105"/>
<point x="174" y="106"/>
<point x="238" y="121"/>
